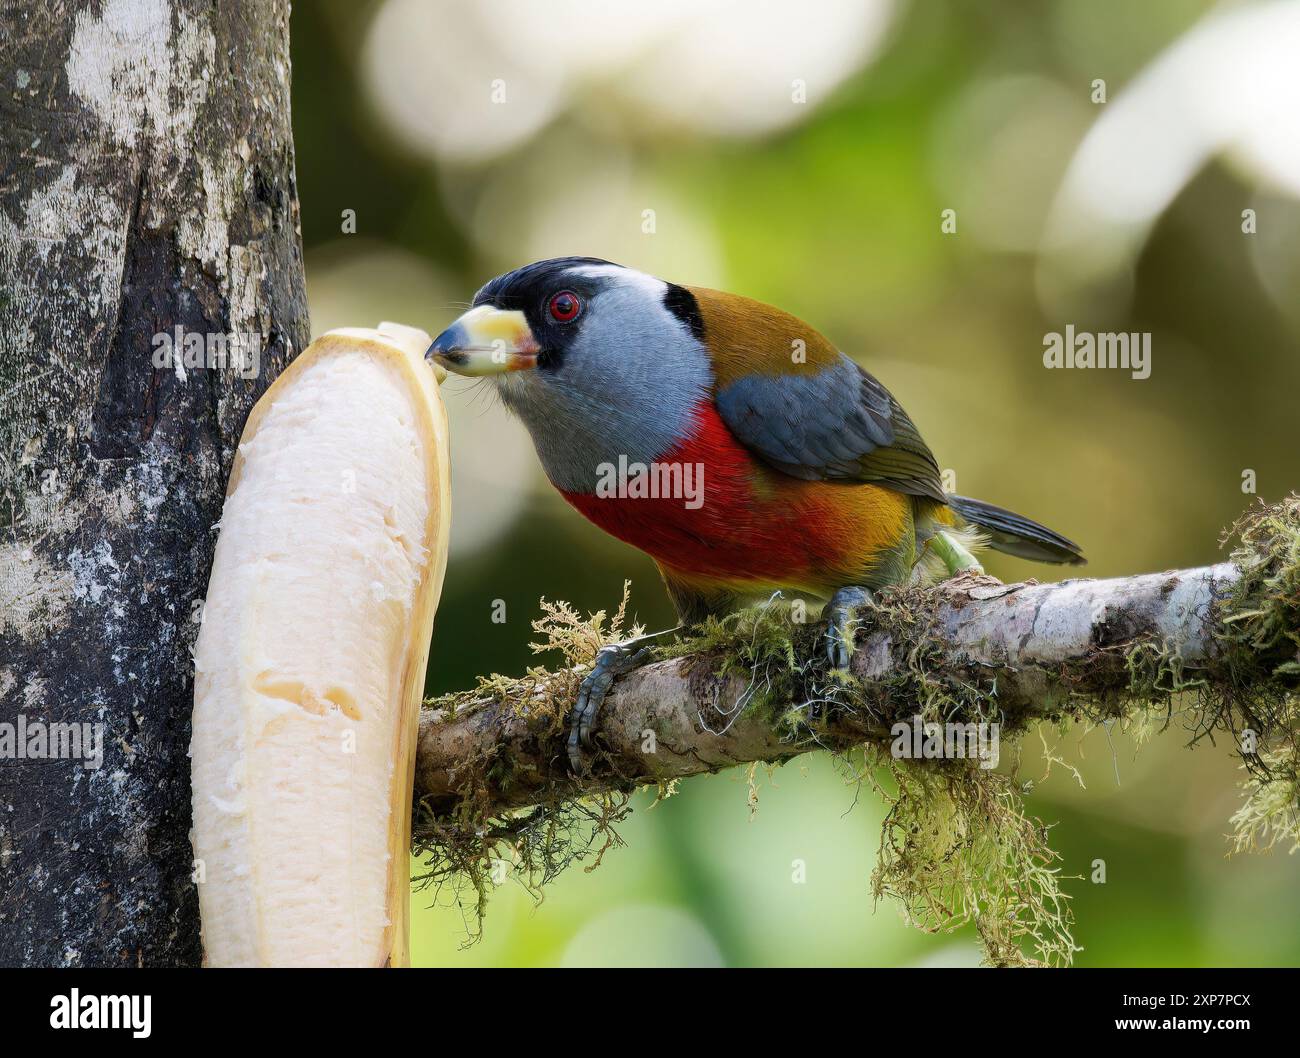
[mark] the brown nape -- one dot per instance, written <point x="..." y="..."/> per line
<point x="744" y="335"/>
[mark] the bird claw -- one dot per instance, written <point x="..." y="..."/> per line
<point x="840" y="629"/>
<point x="611" y="662"/>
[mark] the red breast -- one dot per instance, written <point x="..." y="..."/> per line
<point x="755" y="526"/>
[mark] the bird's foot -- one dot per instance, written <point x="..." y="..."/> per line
<point x="841" y="624"/>
<point x="954" y="554"/>
<point x="611" y="662"/>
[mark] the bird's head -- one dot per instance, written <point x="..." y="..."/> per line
<point x="598" y="360"/>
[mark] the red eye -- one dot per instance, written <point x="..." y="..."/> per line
<point x="565" y="306"/>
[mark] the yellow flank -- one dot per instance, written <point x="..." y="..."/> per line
<point x="827" y="535"/>
<point x="858" y="534"/>
<point x="942" y="513"/>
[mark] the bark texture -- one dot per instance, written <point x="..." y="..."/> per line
<point x="1038" y="644"/>
<point x="148" y="183"/>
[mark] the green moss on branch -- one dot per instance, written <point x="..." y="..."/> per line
<point x="957" y="845"/>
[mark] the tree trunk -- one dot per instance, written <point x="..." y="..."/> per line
<point x="148" y="185"/>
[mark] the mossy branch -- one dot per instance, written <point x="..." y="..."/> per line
<point x="1081" y="648"/>
<point x="1216" y="649"/>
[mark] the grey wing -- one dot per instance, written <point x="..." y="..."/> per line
<point x="836" y="424"/>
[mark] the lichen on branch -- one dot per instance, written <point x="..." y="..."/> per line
<point x="1211" y="651"/>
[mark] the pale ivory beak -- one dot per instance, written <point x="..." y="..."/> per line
<point x="486" y="341"/>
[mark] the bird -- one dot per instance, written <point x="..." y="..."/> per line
<point x="732" y="442"/>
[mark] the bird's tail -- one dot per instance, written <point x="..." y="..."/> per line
<point x="1014" y="534"/>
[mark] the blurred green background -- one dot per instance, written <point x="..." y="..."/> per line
<point x="803" y="154"/>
